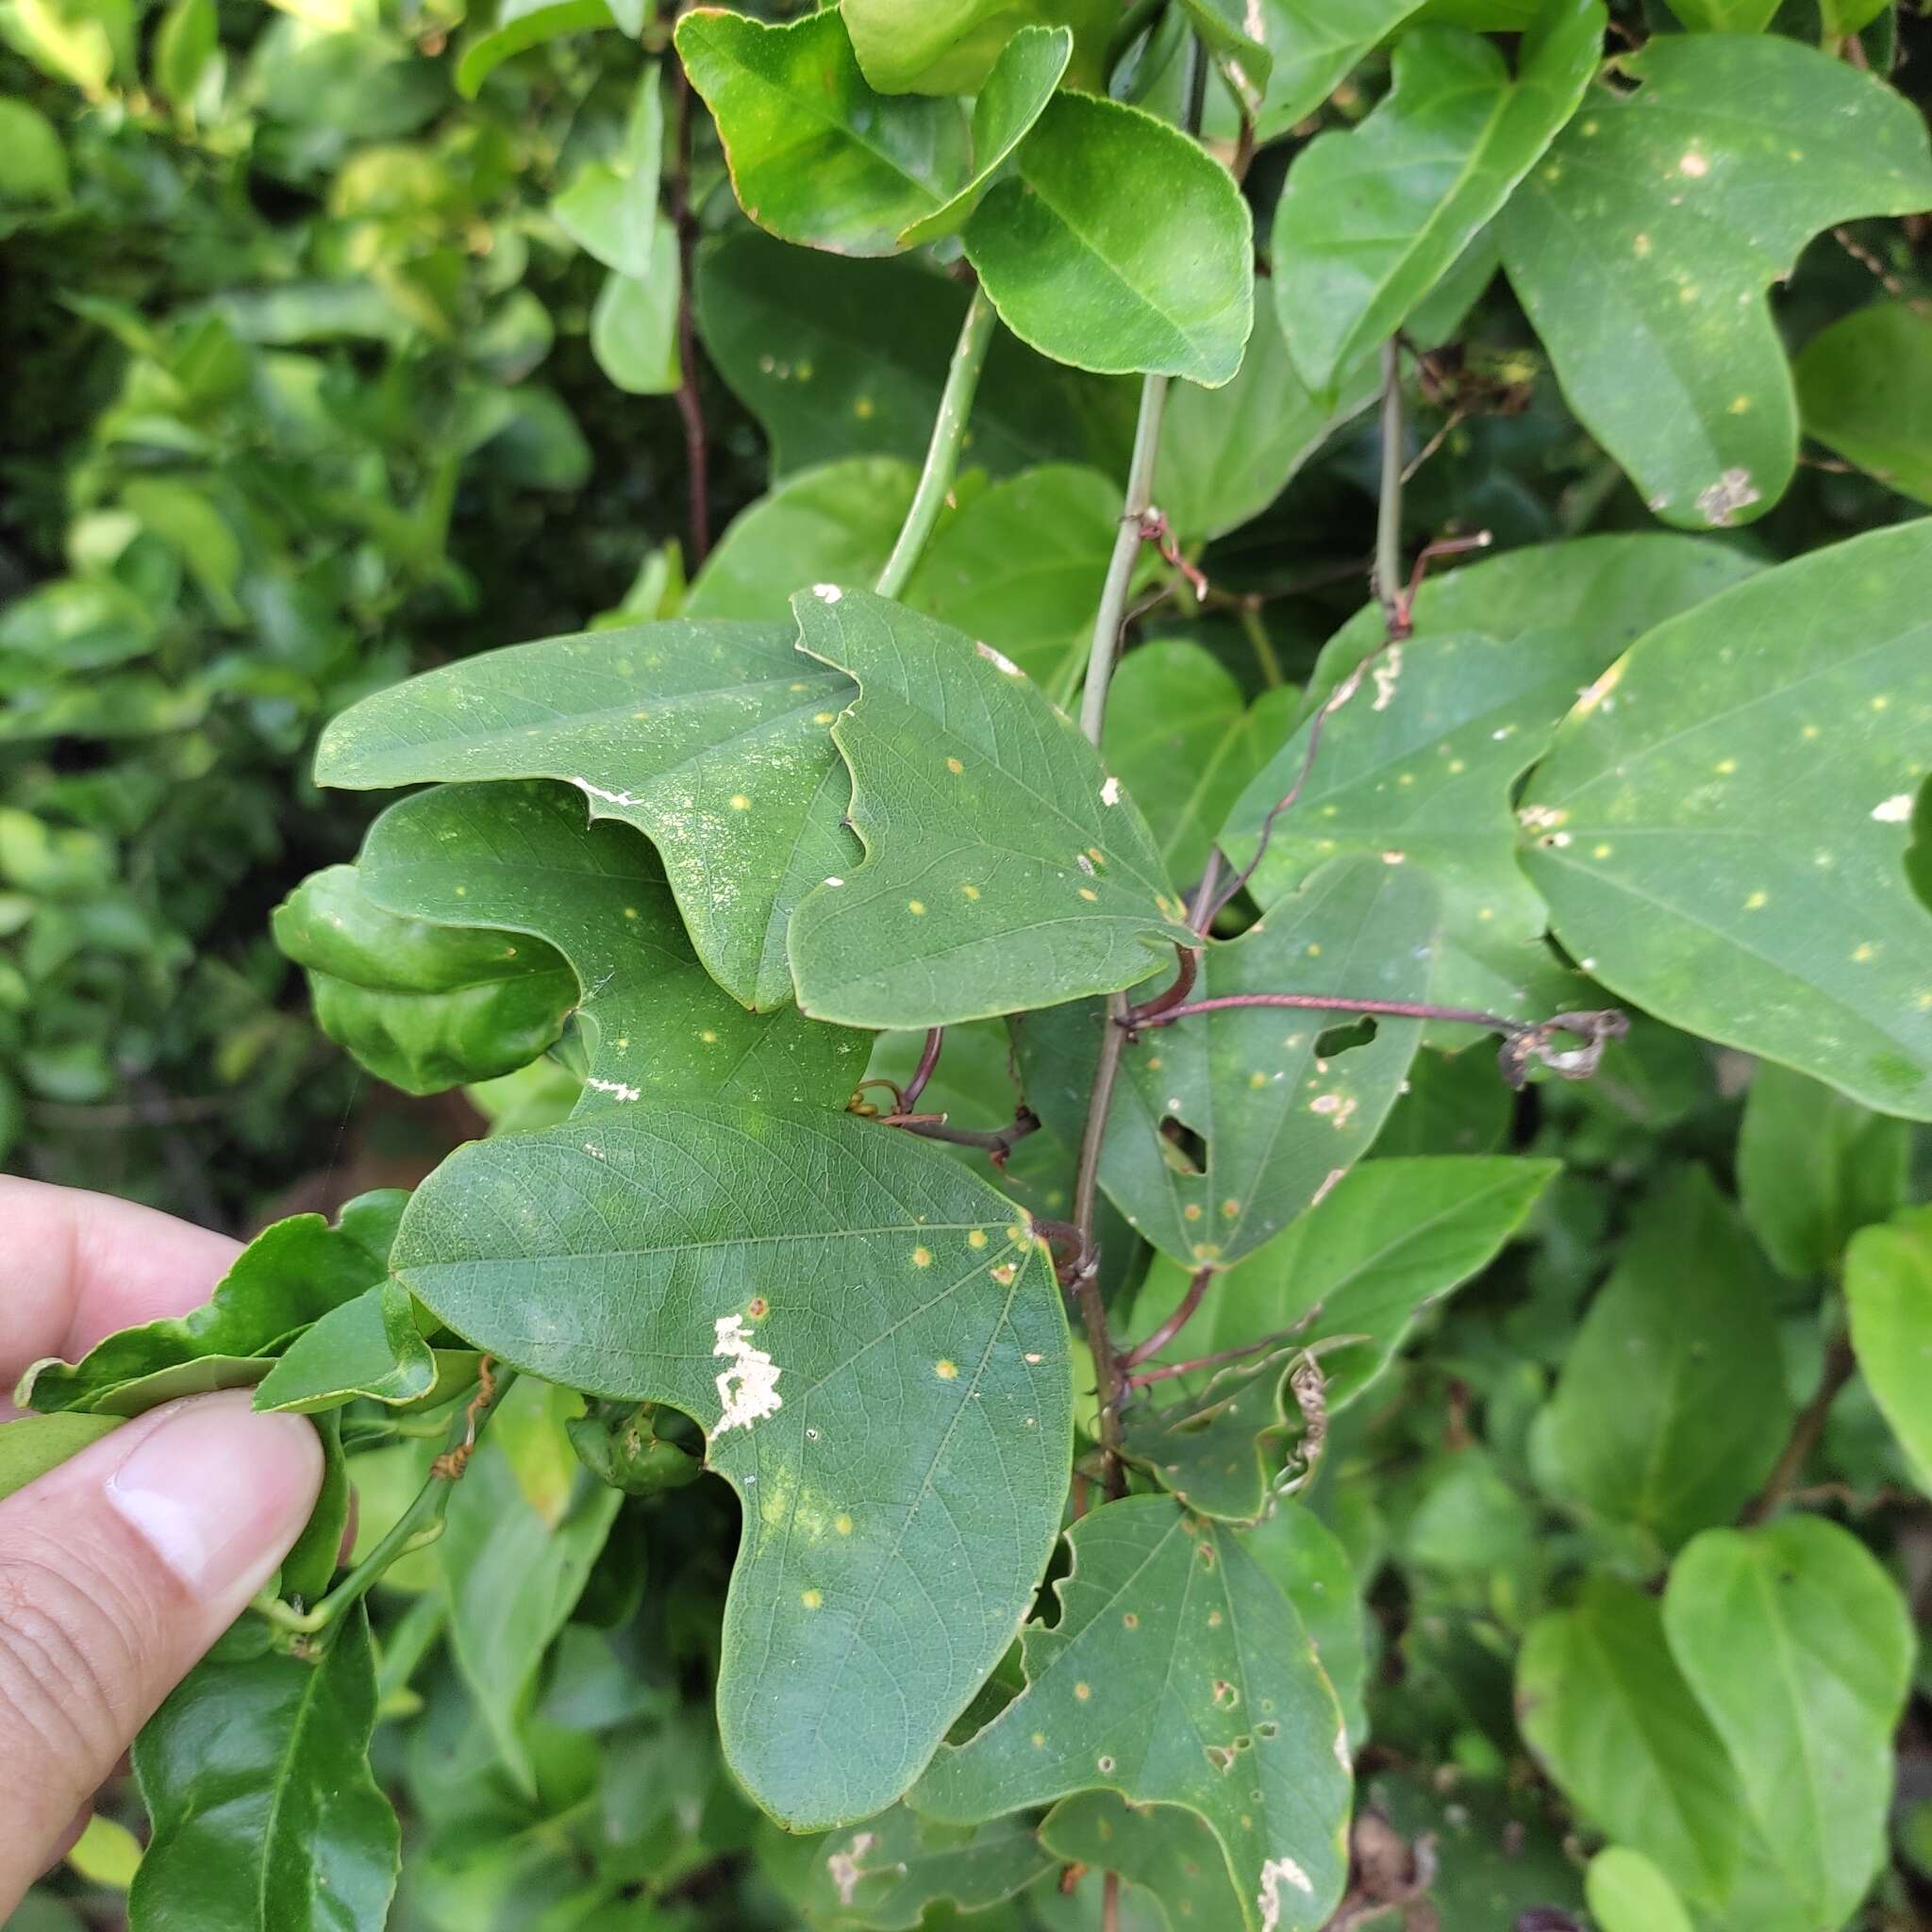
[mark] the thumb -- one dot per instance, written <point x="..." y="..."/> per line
<point x="117" y="1570"/>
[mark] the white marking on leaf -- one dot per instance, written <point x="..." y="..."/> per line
<point x="1000" y="658"/>
<point x="1110" y="792"/>
<point x="608" y="797"/>
<point x="616" y="1089"/>
<point x="844" y="1867"/>
<point x="749" y="1388"/>
<point x="1724" y="499"/>
<point x="1273" y="1875"/>
<point x="1893" y="812"/>
<point x="827" y="593"/>
<point x="1386" y="672"/>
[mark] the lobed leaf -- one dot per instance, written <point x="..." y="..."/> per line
<point x="1003" y="868"/>
<point x="876" y="1349"/>
<point x="1719" y="827"/>
<point x="1643" y="244"/>
<point x="1177" y="1674"/>
<point x="712" y="738"/>
<point x="1165" y="1851"/>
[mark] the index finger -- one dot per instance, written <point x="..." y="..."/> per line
<point x="75" y="1266"/>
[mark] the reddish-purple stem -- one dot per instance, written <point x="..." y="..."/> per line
<point x="1146" y="1351"/>
<point x="928" y="1059"/>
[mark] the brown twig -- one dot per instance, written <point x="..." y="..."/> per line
<point x="690" y="401"/>
<point x="1147" y="1350"/>
<point x="1841" y="1365"/>
<point x="928" y="1059"/>
<point x="997" y="1143"/>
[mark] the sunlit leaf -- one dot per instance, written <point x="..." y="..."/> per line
<point x="609" y="207"/>
<point x="1627" y="1893"/>
<point x="1642" y="245"/>
<point x="1888" y="1296"/>
<point x="875" y="1348"/>
<point x="913" y="46"/>
<point x="1177" y="1674"/>
<point x="1865" y="391"/>
<point x="1719" y="827"/>
<point x="1004" y="867"/>
<point x="634" y="321"/>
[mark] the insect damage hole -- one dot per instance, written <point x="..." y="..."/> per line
<point x="1344" y="1038"/>
<point x="1181" y="1147"/>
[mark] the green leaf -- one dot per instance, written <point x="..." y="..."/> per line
<point x="1387" y="1238"/>
<point x="610" y="206"/>
<point x="370" y="1346"/>
<point x="33" y="164"/>
<point x="1718" y="831"/>
<point x="521" y="857"/>
<point x="666" y="726"/>
<point x="1230" y="31"/>
<point x="1671" y="1406"/>
<point x="1228" y="453"/>
<point x="835" y="522"/>
<point x="1603" y="1706"/>
<point x="516" y="1554"/>
<point x="875" y="1348"/>
<point x="485" y="55"/>
<point x="997" y="848"/>
<point x="1643" y="244"/>
<point x="1888" y="1295"/>
<point x="266" y="1818"/>
<point x="839" y="358"/>
<point x="1725" y="16"/>
<point x="1279" y="1118"/>
<point x="1118" y="244"/>
<point x="1314" y="45"/>
<point x="291" y="1274"/>
<point x="1184" y="745"/>
<point x="1312" y="1569"/>
<point x="1217" y="1448"/>
<point x="33" y="1444"/>
<point x="634" y="322"/>
<point x="1800" y="1649"/>
<point x="1021" y="566"/>
<point x="1009" y="101"/>
<point x="422" y="1007"/>
<point x="1813" y="1168"/>
<point x="1177" y="1674"/>
<point x="816" y="156"/>
<point x="889" y="1869"/>
<point x="1455" y="1105"/>
<point x="311" y="1562"/>
<point x="1423" y="742"/>
<point x="185" y="43"/>
<point x="912" y="46"/>
<point x="1865" y="391"/>
<point x="1627" y="1893"/>
<point x="106" y="1853"/>
<point x="1372" y="219"/>
<point x="1168" y="1852"/>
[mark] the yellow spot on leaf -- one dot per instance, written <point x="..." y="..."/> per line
<point x="917" y="908"/>
<point x="811" y="1599"/>
<point x="921" y="1257"/>
<point x="946" y="1371"/>
<point x="953" y="766"/>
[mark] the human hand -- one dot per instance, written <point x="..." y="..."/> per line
<point x="122" y="1566"/>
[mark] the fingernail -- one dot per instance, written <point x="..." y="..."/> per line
<point x="219" y="1493"/>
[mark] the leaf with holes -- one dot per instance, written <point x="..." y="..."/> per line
<point x="712" y="738"/>
<point x="1372" y="218"/>
<point x="835" y="522"/>
<point x="291" y="1274"/>
<point x="1800" y="1649"/>
<point x="816" y="157"/>
<point x="1643" y="242"/>
<point x="422" y="1007"/>
<point x="1671" y="1406"/>
<point x="1021" y="566"/>
<point x="1719" y="827"/>
<point x="1118" y="244"/>
<point x="1225" y="1125"/>
<point x="1218" y="1448"/>
<point x="1004" y="867"/>
<point x="1185" y="744"/>
<point x="1609" y="1713"/>
<point x="887" y="1871"/>
<point x="1888" y="1298"/>
<point x="839" y="358"/>
<point x="1865" y="391"/>
<point x="520" y="858"/>
<point x="1177" y="1674"/>
<point x="1009" y="101"/>
<point x="875" y="1346"/>
<point x="266" y="1818"/>
<point x="1387" y="1238"/>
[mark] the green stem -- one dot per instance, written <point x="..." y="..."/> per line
<point x="1127" y="550"/>
<point x="1256" y="628"/>
<point x="418" y="1526"/>
<point x="1140" y="18"/>
<point x="942" y="453"/>
<point x="1388" y="502"/>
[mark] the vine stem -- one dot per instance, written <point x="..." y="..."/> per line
<point x="1841" y="1365"/>
<point x="419" y="1524"/>
<point x="690" y="401"/>
<point x="1127" y="549"/>
<point x="1389" y="501"/>
<point x="943" y="452"/>
<point x="1146" y="1351"/>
